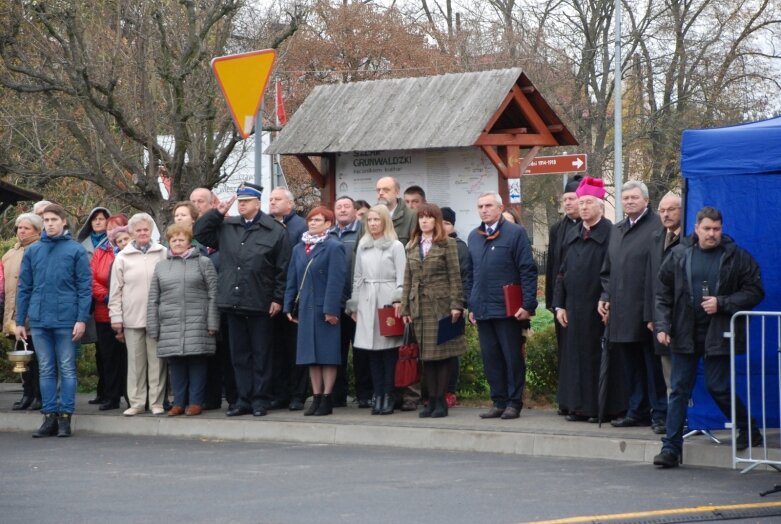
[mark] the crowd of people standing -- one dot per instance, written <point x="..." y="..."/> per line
<point x="246" y="308"/>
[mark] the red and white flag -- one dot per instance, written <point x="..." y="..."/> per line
<point x="280" y="101"/>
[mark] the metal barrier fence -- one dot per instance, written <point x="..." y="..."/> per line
<point x="768" y="325"/>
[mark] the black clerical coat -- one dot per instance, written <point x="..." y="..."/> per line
<point x="578" y="288"/>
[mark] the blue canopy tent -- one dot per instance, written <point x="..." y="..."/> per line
<point x="737" y="169"/>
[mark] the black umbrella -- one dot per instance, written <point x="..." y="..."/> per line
<point x="604" y="370"/>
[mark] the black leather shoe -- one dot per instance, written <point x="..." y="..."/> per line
<point x="494" y="412"/>
<point x="660" y="428"/>
<point x="64" y="425"/>
<point x="377" y="405"/>
<point x="667" y="459"/>
<point x="259" y="412"/>
<point x="325" y="408"/>
<point x="627" y="422"/>
<point x="364" y="403"/>
<point x="741" y="442"/>
<point x="574" y="417"/>
<point x="109" y="405"/>
<point x="387" y="405"/>
<point x="296" y="405"/>
<point x="97" y="400"/>
<point x="237" y="412"/>
<point x="35" y="406"/>
<point x="511" y="413"/>
<point x="49" y="426"/>
<point x="22" y="403"/>
<point x="440" y="407"/>
<point x="316" y="399"/>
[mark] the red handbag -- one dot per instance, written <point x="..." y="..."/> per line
<point x="407" y="368"/>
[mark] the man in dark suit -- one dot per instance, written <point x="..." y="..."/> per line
<point x="556" y="236"/>
<point x="289" y="381"/>
<point x="666" y="238"/>
<point x="622" y="307"/>
<point x="501" y="254"/>
<point x="349" y="229"/>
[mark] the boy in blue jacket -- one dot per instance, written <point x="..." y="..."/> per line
<point x="53" y="298"/>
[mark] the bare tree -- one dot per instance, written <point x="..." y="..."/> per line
<point x="115" y="76"/>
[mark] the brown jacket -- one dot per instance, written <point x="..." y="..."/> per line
<point x="12" y="263"/>
<point x="432" y="287"/>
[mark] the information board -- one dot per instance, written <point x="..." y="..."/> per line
<point x="450" y="177"/>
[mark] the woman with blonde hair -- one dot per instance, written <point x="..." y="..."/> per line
<point x="432" y="291"/>
<point x="377" y="281"/>
<point x="28" y="231"/>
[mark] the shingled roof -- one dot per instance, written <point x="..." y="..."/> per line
<point x="442" y="111"/>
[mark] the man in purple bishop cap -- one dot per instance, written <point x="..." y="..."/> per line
<point x="577" y="291"/>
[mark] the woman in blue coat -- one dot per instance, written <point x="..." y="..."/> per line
<point x="316" y="276"/>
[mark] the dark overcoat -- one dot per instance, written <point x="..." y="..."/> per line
<point x="253" y="260"/>
<point x="556" y="236"/>
<point x="318" y="341"/>
<point x="656" y="256"/>
<point x="577" y="290"/>
<point x="432" y="287"/>
<point x="623" y="278"/>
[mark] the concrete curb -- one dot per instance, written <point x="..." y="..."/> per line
<point x="524" y="440"/>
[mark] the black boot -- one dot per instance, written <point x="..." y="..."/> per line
<point x="22" y="403"/>
<point x="428" y="409"/>
<point x="326" y="406"/>
<point x="49" y="426"/>
<point x="64" y="425"/>
<point x="441" y="408"/>
<point x="387" y="404"/>
<point x="376" y="404"/>
<point x="316" y="399"/>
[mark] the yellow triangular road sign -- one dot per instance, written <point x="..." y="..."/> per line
<point x="243" y="79"/>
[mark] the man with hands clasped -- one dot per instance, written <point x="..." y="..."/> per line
<point x="702" y="283"/>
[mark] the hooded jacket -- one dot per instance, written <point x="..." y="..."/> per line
<point x="55" y="284"/>
<point x="85" y="233"/>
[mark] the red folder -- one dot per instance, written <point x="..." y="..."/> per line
<point x="390" y="324"/>
<point x="513" y="299"/>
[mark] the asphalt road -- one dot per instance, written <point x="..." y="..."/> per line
<point x="97" y="478"/>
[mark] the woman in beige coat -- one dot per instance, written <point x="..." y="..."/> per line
<point x="131" y="278"/>
<point x="377" y="281"/>
<point x="432" y="291"/>
<point x="28" y="231"/>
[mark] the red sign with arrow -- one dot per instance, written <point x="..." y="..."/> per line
<point x="550" y="165"/>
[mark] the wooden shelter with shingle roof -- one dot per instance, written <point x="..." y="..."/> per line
<point x="498" y="111"/>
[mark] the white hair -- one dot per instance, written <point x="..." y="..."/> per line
<point x="636" y="184"/>
<point x="288" y="194"/>
<point x="38" y="207"/>
<point x="140" y="217"/>
<point x="494" y="194"/>
<point x="32" y="218"/>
